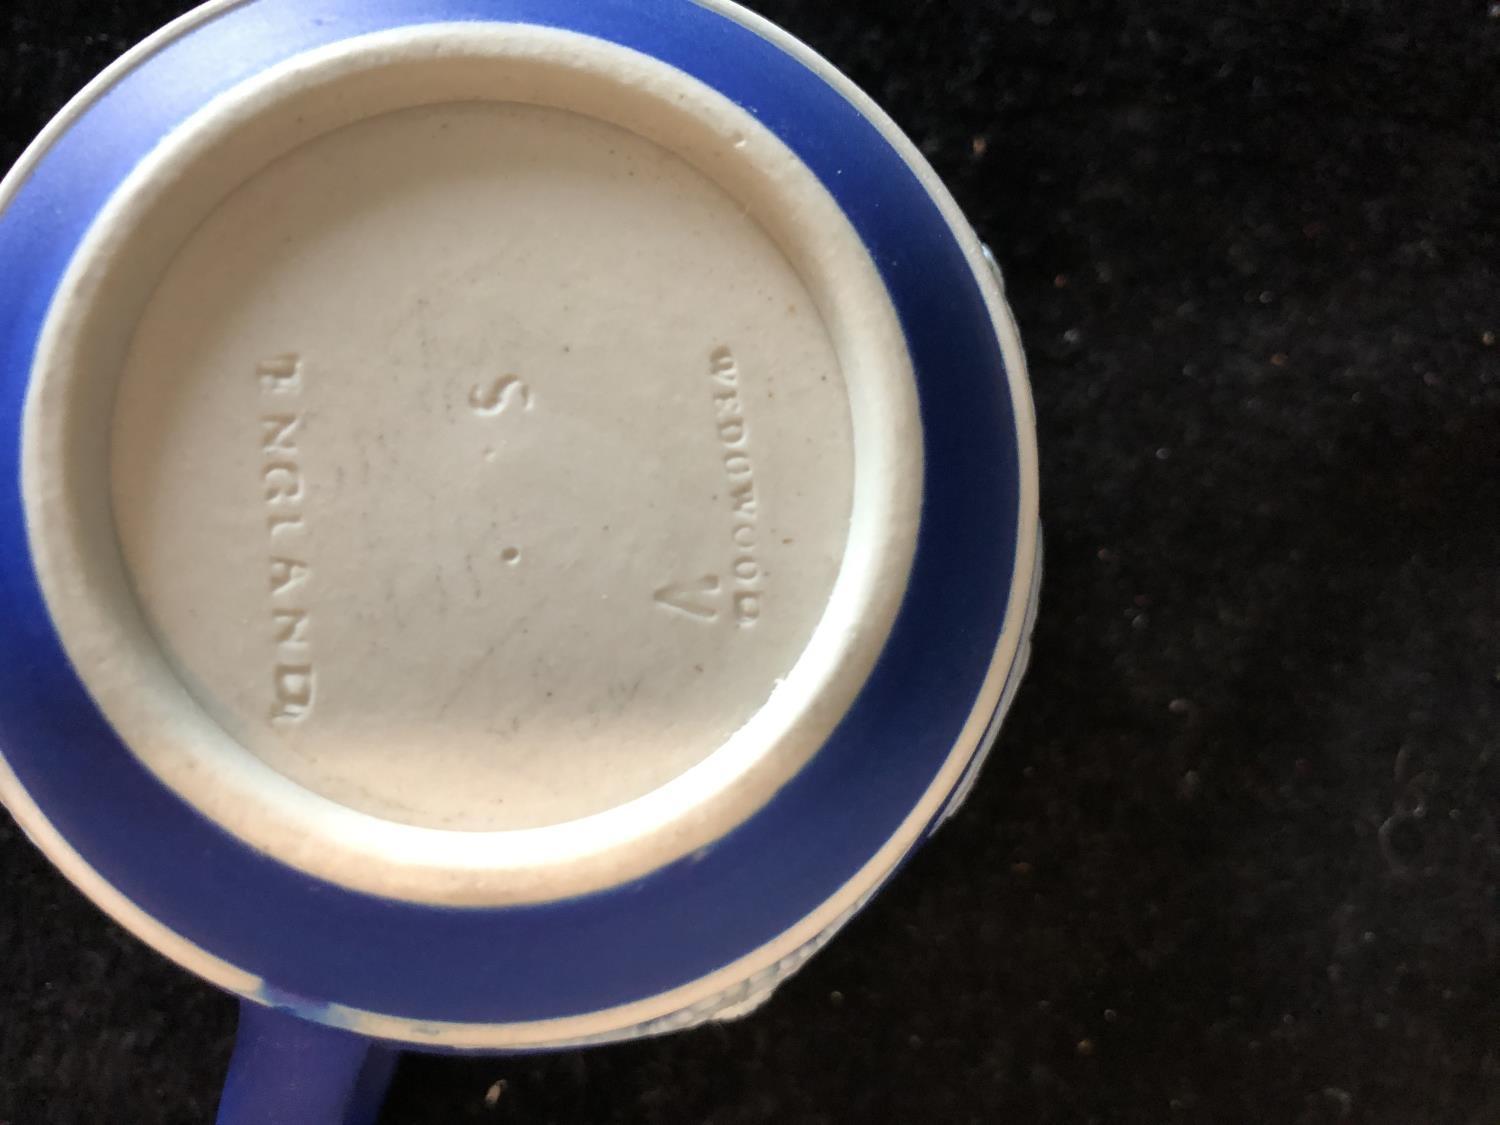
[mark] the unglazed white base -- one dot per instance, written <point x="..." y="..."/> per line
<point x="473" y="465"/>
<point x="514" y="458"/>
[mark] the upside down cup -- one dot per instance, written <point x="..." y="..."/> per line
<point x="518" y="516"/>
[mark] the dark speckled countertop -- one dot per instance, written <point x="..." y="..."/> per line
<point x="1237" y="858"/>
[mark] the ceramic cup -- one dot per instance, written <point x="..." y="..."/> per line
<point x="521" y="514"/>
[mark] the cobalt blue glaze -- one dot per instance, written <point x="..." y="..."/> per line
<point x="286" y="1071"/>
<point x="312" y="939"/>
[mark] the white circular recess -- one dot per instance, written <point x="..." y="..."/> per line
<point x="473" y="464"/>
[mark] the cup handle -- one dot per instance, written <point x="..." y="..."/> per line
<point x="287" y="1071"/>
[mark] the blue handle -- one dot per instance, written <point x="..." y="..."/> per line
<point x="286" y="1071"/>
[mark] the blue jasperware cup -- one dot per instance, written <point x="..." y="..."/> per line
<point x="521" y="515"/>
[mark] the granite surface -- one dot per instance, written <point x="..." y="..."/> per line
<point x="1237" y="857"/>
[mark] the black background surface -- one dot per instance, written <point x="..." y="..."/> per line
<point x="1237" y="859"/>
